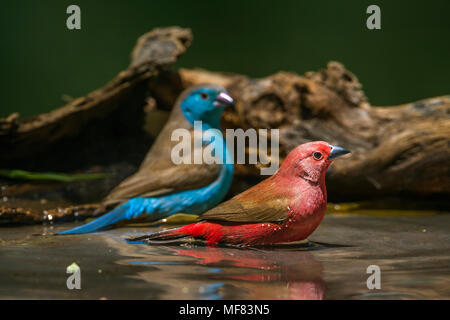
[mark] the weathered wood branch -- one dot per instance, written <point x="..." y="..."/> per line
<point x="399" y="150"/>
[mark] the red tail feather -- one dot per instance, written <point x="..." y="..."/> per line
<point x="163" y="236"/>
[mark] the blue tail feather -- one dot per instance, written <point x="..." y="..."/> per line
<point x="119" y="213"/>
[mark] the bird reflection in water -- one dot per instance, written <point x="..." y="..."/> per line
<point x="298" y="269"/>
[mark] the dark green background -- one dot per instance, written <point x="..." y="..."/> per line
<point x="41" y="60"/>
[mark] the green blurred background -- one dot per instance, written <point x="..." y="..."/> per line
<point x="42" y="60"/>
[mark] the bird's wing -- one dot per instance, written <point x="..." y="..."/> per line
<point x="261" y="203"/>
<point x="159" y="182"/>
<point x="158" y="175"/>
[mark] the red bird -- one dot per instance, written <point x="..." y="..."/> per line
<point x="286" y="207"/>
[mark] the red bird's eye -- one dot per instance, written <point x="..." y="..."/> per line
<point x="204" y="96"/>
<point x="317" y="155"/>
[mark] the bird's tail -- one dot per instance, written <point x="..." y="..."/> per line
<point x="164" y="236"/>
<point x="119" y="213"/>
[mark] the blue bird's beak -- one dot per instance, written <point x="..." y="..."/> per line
<point x="223" y="99"/>
<point x="336" y="152"/>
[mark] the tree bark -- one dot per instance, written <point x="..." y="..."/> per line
<point x="396" y="151"/>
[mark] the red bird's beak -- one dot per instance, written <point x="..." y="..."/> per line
<point x="336" y="152"/>
<point x="223" y="99"/>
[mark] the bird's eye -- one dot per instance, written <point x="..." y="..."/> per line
<point x="317" y="155"/>
<point x="204" y="96"/>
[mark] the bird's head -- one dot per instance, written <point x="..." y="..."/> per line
<point x="310" y="161"/>
<point x="205" y="103"/>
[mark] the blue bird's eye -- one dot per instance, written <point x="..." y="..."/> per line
<point x="204" y="96"/>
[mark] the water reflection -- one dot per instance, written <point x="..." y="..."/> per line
<point x="280" y="273"/>
<point x="413" y="254"/>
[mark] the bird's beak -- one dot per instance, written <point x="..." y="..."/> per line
<point x="336" y="152"/>
<point x="223" y="99"/>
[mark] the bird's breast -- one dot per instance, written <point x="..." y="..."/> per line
<point x="311" y="201"/>
<point x="304" y="215"/>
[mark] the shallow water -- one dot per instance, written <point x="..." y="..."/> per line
<point x="412" y="252"/>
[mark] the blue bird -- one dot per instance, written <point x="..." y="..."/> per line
<point x="161" y="188"/>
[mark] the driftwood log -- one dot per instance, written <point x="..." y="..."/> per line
<point x="396" y="151"/>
